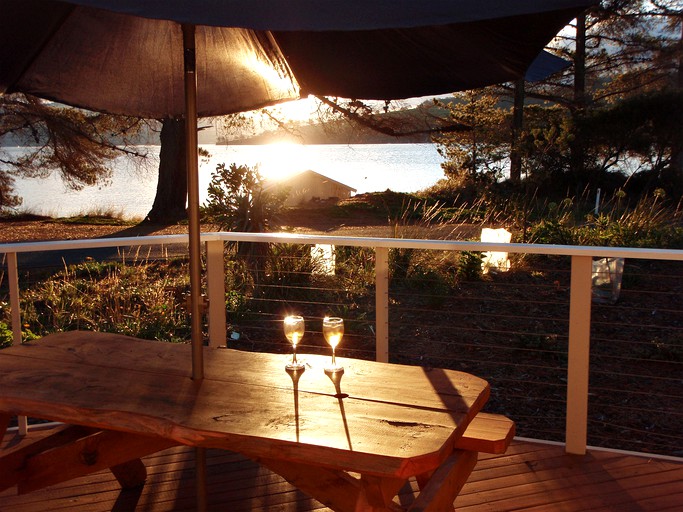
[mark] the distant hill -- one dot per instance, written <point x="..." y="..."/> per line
<point x="414" y="125"/>
<point x="328" y="134"/>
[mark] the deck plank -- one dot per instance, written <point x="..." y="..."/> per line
<point x="530" y="476"/>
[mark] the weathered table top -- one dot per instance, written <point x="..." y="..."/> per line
<point x="382" y="419"/>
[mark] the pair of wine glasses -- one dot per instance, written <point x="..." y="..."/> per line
<point x="333" y="330"/>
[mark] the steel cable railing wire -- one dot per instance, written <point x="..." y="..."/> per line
<point x="494" y="316"/>
<point x="504" y="348"/>
<point x="547" y="335"/>
<point x="612" y="325"/>
<point x="677" y="416"/>
<point x="626" y="360"/>
<point x="622" y="341"/>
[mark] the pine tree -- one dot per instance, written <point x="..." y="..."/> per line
<point x="75" y="144"/>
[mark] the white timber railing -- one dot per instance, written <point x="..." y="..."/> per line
<point x="579" y="304"/>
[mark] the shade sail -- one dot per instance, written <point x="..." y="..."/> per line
<point x="92" y="54"/>
<point x="404" y="63"/>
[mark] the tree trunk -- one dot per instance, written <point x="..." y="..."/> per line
<point x="517" y="126"/>
<point x="171" y="197"/>
<point x="576" y="147"/>
<point x="677" y="150"/>
<point x="680" y="55"/>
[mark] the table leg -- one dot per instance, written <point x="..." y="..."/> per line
<point x="380" y="492"/>
<point x="4" y="423"/>
<point x="445" y="483"/>
<point x="200" y="479"/>
<point x="337" y="489"/>
<point x="130" y="474"/>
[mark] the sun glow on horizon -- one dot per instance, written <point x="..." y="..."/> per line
<point x="282" y="159"/>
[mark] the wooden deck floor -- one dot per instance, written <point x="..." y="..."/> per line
<point x="530" y="477"/>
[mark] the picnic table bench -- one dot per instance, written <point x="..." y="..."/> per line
<point x="350" y="443"/>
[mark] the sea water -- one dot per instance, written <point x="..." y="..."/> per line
<point x="131" y="190"/>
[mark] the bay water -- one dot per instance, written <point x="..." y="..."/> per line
<point x="131" y="191"/>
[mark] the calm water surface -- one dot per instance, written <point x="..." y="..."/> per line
<point x="365" y="167"/>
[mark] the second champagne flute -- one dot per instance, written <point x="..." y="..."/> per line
<point x="333" y="330"/>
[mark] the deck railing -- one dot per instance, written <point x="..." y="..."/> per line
<point x="578" y="333"/>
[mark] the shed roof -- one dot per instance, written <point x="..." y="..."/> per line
<point x="309" y="172"/>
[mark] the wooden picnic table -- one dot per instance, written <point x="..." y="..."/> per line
<point x="350" y="443"/>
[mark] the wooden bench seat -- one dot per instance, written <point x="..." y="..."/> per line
<point x="487" y="433"/>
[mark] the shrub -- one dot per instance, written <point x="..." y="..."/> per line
<point x="238" y="201"/>
<point x="6" y="337"/>
<point x="648" y="224"/>
<point x="469" y="265"/>
<point x="355" y="269"/>
<point x="551" y="231"/>
<point x="140" y="299"/>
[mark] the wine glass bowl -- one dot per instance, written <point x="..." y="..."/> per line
<point x="294" y="328"/>
<point x="333" y="331"/>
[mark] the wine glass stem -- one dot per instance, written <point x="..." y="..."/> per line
<point x="334" y="361"/>
<point x="294" y="354"/>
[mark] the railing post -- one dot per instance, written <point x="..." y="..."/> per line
<point x="215" y="283"/>
<point x="14" y="301"/>
<point x="579" y="355"/>
<point x="15" y="307"/>
<point x="382" y="304"/>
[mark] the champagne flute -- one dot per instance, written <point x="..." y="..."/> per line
<point x="333" y="330"/>
<point x="294" y="331"/>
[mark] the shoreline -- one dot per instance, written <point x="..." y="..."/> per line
<point x="46" y="229"/>
<point x="362" y="226"/>
<point x="364" y="215"/>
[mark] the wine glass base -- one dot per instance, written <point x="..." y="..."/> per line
<point x="295" y="367"/>
<point x="334" y="369"/>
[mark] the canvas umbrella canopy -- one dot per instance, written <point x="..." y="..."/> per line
<point x="148" y="58"/>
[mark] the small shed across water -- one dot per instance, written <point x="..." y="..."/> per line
<point x="309" y="186"/>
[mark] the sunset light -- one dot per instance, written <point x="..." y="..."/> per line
<point x="297" y="111"/>
<point x="281" y="159"/>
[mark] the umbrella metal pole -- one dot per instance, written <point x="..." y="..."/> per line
<point x="193" y="202"/>
<point x="194" y="229"/>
